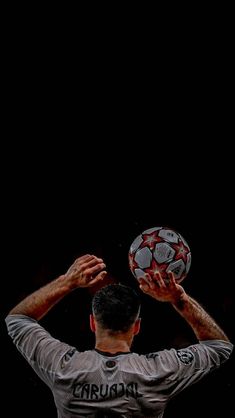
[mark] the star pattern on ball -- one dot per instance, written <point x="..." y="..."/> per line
<point x="156" y="268"/>
<point x="150" y="240"/>
<point x="181" y="251"/>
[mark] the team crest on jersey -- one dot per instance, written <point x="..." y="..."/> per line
<point x="185" y="356"/>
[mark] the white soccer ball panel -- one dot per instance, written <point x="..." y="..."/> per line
<point x="169" y="235"/>
<point x="177" y="267"/>
<point x="143" y="257"/>
<point x="139" y="273"/>
<point x="149" y="231"/>
<point x="163" y="252"/>
<point x="135" y="244"/>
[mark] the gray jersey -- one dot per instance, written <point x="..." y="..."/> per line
<point x="97" y="384"/>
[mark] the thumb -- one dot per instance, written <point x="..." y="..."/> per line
<point x="102" y="275"/>
<point x="144" y="287"/>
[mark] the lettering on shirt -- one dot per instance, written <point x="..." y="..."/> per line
<point x="92" y="391"/>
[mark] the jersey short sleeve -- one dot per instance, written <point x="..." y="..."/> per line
<point x="44" y="353"/>
<point x="186" y="366"/>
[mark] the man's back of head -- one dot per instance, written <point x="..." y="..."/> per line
<point x="116" y="307"/>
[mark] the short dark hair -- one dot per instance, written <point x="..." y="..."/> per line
<point x="116" y="307"/>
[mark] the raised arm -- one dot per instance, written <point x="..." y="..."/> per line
<point x="202" y="324"/>
<point x="84" y="272"/>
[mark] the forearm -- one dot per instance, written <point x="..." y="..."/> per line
<point x="203" y="325"/>
<point x="86" y="271"/>
<point x="42" y="300"/>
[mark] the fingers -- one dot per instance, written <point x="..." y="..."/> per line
<point x="95" y="269"/>
<point x="144" y="286"/>
<point x="155" y="282"/>
<point x="147" y="285"/>
<point x="98" y="278"/>
<point x="159" y="280"/>
<point x="91" y="269"/>
<point x="79" y="262"/>
<point x="93" y="266"/>
<point x="87" y="260"/>
<point x="172" y="278"/>
<point x="147" y="279"/>
<point x="88" y="264"/>
<point x="84" y="257"/>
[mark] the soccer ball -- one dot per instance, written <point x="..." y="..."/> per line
<point x="159" y="249"/>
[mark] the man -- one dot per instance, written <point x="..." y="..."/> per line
<point x="110" y="380"/>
